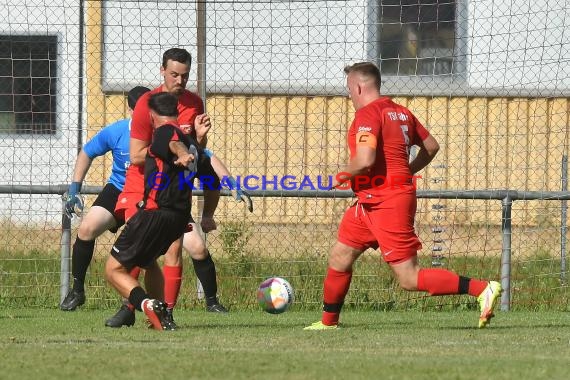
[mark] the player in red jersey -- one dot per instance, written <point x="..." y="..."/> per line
<point x="382" y="178"/>
<point x="175" y="71"/>
<point x="161" y="216"/>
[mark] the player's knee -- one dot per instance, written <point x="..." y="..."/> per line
<point x="88" y="231"/>
<point x="342" y="260"/>
<point x="195" y="246"/>
<point x="198" y="252"/>
<point x="408" y="283"/>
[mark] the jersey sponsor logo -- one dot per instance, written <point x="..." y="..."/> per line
<point x="364" y="128"/>
<point x="394" y="116"/>
<point x="186" y="128"/>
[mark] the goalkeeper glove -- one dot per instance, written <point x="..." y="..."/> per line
<point x="239" y="194"/>
<point x="74" y="201"/>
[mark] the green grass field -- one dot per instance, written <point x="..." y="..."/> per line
<point x="49" y="344"/>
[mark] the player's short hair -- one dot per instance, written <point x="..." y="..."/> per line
<point x="367" y="69"/>
<point x="164" y="104"/>
<point x="134" y="95"/>
<point x="178" y="55"/>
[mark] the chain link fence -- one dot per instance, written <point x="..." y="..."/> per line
<point x="490" y="82"/>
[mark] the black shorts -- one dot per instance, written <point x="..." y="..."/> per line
<point x="107" y="199"/>
<point x="147" y="235"/>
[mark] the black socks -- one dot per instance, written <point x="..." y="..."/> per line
<point x="137" y="296"/>
<point x="206" y="272"/>
<point x="80" y="260"/>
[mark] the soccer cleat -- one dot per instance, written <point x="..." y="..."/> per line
<point x="72" y="300"/>
<point x="216" y="308"/>
<point x="321" y="326"/>
<point x="487" y="300"/>
<point x="123" y="317"/>
<point x="155" y="310"/>
<point x="169" y="323"/>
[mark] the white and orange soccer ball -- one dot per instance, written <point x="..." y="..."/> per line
<point x="275" y="295"/>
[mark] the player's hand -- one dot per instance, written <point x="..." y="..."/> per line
<point x="185" y="160"/>
<point x="202" y="125"/>
<point x="73" y="200"/>
<point x="239" y="194"/>
<point x="242" y="195"/>
<point x="208" y="224"/>
<point x="189" y="160"/>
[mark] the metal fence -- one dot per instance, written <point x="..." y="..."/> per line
<point x="491" y="84"/>
<point x="506" y="197"/>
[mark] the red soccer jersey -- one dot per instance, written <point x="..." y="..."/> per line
<point x="190" y="105"/>
<point x="396" y="129"/>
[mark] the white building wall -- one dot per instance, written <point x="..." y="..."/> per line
<point x="43" y="159"/>
<point x="519" y="44"/>
<point x="504" y="47"/>
<point x="252" y="47"/>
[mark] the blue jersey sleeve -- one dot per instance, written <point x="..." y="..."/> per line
<point x="101" y="143"/>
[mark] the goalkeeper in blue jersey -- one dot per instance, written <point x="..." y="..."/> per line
<point x="113" y="138"/>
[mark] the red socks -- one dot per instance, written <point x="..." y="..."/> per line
<point x="476" y="287"/>
<point x="438" y="282"/>
<point x="172" y="284"/>
<point x="336" y="286"/>
<point x="135" y="273"/>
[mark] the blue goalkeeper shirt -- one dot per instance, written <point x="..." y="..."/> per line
<point x="114" y="138"/>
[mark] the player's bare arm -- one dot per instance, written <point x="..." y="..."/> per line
<point x="137" y="150"/>
<point x="82" y="165"/>
<point x="361" y="163"/>
<point x="202" y="125"/>
<point x="428" y="149"/>
<point x="73" y="201"/>
<point x="184" y="157"/>
<point x="219" y="167"/>
<point x="211" y="199"/>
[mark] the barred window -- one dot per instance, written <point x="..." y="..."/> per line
<point x="28" y="73"/>
<point x="416" y="37"/>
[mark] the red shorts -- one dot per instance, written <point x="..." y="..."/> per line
<point x="127" y="205"/>
<point x="388" y="225"/>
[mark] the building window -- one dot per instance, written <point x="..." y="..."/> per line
<point x="28" y="72"/>
<point x="416" y="37"/>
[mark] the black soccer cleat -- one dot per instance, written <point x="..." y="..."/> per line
<point x="123" y="317"/>
<point x="72" y="300"/>
<point x="214" y="306"/>
<point x="168" y="323"/>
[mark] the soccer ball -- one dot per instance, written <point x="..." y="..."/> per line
<point x="275" y="295"/>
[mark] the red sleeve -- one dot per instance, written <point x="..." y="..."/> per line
<point x="141" y="125"/>
<point x="368" y="121"/>
<point x="421" y="132"/>
<point x="190" y="105"/>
